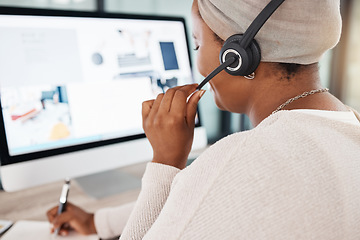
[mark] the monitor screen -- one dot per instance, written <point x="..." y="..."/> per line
<point x="68" y="80"/>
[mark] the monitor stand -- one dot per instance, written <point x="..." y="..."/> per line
<point x="112" y="182"/>
<point x="1" y="187"/>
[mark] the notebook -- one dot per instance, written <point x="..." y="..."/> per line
<point x="39" y="230"/>
<point x="4" y="225"/>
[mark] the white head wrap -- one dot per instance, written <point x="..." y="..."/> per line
<point x="299" y="31"/>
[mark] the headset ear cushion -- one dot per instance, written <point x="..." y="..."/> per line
<point x="233" y="49"/>
<point x="255" y="55"/>
<point x="249" y="57"/>
<point x="233" y="42"/>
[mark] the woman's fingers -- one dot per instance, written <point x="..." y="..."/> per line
<point x="179" y="102"/>
<point x="51" y="214"/>
<point x="146" y="108"/>
<point x="192" y="107"/>
<point x="155" y="107"/>
<point x="175" y="101"/>
<point x="65" y="217"/>
<point x="167" y="99"/>
<point x="64" y="232"/>
<point x="165" y="102"/>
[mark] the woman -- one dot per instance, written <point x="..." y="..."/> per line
<point x="294" y="176"/>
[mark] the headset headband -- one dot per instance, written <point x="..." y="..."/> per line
<point x="247" y="38"/>
<point x="259" y="21"/>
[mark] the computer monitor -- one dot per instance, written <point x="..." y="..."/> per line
<point x="72" y="85"/>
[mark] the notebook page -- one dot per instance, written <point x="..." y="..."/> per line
<point x="39" y="230"/>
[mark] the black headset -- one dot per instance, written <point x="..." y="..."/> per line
<point x="240" y="54"/>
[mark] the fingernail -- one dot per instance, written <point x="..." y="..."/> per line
<point x="201" y="93"/>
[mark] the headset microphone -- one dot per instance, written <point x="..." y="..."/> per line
<point x="240" y="54"/>
<point x="225" y="64"/>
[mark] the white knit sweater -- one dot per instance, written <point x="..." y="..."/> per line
<point x="295" y="176"/>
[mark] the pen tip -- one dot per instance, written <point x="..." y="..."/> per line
<point x="67" y="180"/>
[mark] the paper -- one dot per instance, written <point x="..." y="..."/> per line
<point x="37" y="230"/>
<point x="4" y="225"/>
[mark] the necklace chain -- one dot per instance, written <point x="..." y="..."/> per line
<point x="304" y="94"/>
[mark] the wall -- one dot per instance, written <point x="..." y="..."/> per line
<point x="351" y="88"/>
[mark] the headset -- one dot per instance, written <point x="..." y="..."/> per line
<point x="240" y="54"/>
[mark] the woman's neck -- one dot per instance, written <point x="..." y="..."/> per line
<point x="273" y="90"/>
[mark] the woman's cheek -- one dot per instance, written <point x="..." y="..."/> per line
<point x="201" y="65"/>
<point x="215" y="96"/>
<point x="218" y="103"/>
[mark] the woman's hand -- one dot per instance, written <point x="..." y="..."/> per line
<point x="73" y="218"/>
<point x="169" y="122"/>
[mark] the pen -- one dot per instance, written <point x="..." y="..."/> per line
<point x="63" y="201"/>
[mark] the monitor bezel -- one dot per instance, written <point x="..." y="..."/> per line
<point x="5" y="157"/>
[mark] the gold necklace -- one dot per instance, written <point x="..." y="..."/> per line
<point x="304" y="94"/>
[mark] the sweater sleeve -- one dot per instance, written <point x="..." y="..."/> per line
<point x="110" y="222"/>
<point x="156" y="184"/>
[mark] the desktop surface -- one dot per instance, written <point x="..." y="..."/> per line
<point x="32" y="203"/>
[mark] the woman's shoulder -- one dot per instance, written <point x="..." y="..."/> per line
<point x="287" y="133"/>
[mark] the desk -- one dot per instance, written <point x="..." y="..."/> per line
<point x="32" y="204"/>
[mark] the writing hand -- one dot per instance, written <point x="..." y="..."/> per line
<point x="73" y="218"/>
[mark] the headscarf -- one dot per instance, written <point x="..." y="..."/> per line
<point x="299" y="31"/>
